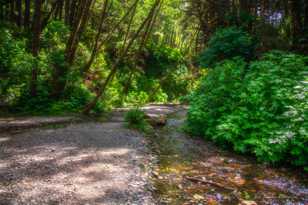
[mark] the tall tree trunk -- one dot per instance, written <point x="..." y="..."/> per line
<point x="306" y="16"/>
<point x="2" y="9"/>
<point x="27" y="14"/>
<point x="295" y="11"/>
<point x="19" y="12"/>
<point x="12" y="10"/>
<point x="67" y="4"/>
<point x="6" y="11"/>
<point x="72" y="11"/>
<point x="59" y="12"/>
<point x="36" y="44"/>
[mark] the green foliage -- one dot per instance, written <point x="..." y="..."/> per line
<point x="135" y="118"/>
<point x="216" y="95"/>
<point x="260" y="111"/>
<point x="15" y="65"/>
<point x="161" y="59"/>
<point x="55" y="35"/>
<point x="225" y="44"/>
<point x="165" y="71"/>
<point x="177" y="83"/>
<point x="242" y="18"/>
<point x="76" y="97"/>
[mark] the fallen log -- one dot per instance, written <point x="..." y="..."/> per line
<point x="203" y="181"/>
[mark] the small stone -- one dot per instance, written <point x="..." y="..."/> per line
<point x="198" y="197"/>
<point x="245" y="202"/>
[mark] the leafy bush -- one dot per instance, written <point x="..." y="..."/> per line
<point x="177" y="83"/>
<point x="262" y="112"/>
<point x="225" y="44"/>
<point x="76" y="98"/>
<point x="15" y="66"/>
<point x="135" y="118"/>
<point x="161" y="59"/>
<point x="216" y="96"/>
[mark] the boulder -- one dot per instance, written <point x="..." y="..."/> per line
<point x="156" y="119"/>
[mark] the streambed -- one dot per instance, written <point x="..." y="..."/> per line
<point x="192" y="171"/>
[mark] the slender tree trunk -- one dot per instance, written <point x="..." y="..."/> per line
<point x="72" y="6"/>
<point x="6" y="11"/>
<point x="36" y="44"/>
<point x="149" y="27"/>
<point x="102" y="88"/>
<point x="295" y="11"/>
<point x="82" y="17"/>
<point x="59" y="13"/>
<point x="12" y="10"/>
<point x="19" y="12"/>
<point x="67" y="4"/>
<point x="100" y="45"/>
<point x="306" y="16"/>
<point x="97" y="38"/>
<point x="2" y="8"/>
<point x="126" y="87"/>
<point x="59" y="76"/>
<point x="101" y="91"/>
<point x="50" y="13"/>
<point x="27" y="14"/>
<point x="133" y="13"/>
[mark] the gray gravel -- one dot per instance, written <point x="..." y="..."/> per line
<point x="86" y="163"/>
<point x="18" y="123"/>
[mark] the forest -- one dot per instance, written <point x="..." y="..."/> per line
<point x="240" y="66"/>
<point x="90" y="55"/>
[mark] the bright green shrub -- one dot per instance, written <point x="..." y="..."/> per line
<point x="143" y="90"/>
<point x="225" y="44"/>
<point x="263" y="112"/>
<point x="15" y="65"/>
<point x="135" y="118"/>
<point x="216" y="96"/>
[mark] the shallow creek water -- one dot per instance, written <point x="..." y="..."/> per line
<point x="192" y="171"/>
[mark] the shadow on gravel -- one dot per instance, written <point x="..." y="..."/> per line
<point x="85" y="163"/>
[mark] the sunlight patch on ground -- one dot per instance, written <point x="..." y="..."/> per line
<point x="4" y="139"/>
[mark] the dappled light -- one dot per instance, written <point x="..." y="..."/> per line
<point x="62" y="166"/>
<point x="143" y="102"/>
<point x="191" y="171"/>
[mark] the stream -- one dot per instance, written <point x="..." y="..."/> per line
<point x="193" y="171"/>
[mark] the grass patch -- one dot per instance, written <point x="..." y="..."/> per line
<point x="136" y="119"/>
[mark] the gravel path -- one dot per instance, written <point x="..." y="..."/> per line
<point x="86" y="163"/>
<point x="18" y="123"/>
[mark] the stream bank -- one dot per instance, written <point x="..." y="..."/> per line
<point x="192" y="171"/>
